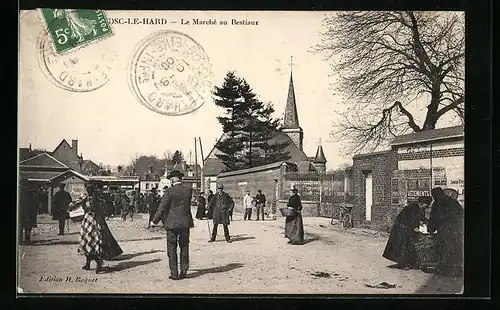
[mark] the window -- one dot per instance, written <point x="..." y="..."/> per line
<point x="147" y="185"/>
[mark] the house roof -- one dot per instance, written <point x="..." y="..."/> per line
<point x="430" y="135"/>
<point x="212" y="167"/>
<point x="113" y="178"/>
<point x="43" y="160"/>
<point x="256" y="169"/>
<point x="61" y="143"/>
<point x="42" y="176"/>
<point x="49" y="176"/>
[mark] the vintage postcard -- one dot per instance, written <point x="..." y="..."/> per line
<point x="235" y="152"/>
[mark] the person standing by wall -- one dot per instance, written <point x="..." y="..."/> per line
<point x="61" y="201"/>
<point x="260" y="203"/>
<point x="248" y="204"/>
<point x="210" y="211"/>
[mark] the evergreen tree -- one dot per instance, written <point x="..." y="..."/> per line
<point x="248" y="127"/>
<point x="178" y="157"/>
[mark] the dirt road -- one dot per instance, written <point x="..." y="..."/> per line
<point x="258" y="261"/>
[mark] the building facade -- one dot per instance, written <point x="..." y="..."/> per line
<point x="384" y="182"/>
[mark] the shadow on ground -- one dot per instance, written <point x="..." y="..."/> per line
<point x="440" y="284"/>
<point x="200" y="272"/>
<point x="141" y="239"/>
<point x="309" y="237"/>
<point x="132" y="255"/>
<point x="53" y="242"/>
<point x="241" y="237"/>
<point x="127" y="265"/>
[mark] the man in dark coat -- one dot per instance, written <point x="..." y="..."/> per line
<point x="221" y="203"/>
<point x="152" y="202"/>
<point x="60" y="202"/>
<point x="27" y="211"/>
<point x="260" y="204"/>
<point x="447" y="217"/>
<point x="175" y="208"/>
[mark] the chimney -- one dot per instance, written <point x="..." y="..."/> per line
<point x="74" y="146"/>
<point x="30" y="147"/>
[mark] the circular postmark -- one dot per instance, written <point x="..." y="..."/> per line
<point x="82" y="70"/>
<point x="170" y="73"/>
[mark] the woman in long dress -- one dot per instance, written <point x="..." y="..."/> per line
<point x="400" y="247"/>
<point x="294" y="228"/>
<point x="447" y="217"/>
<point x="200" y="211"/>
<point x="96" y="240"/>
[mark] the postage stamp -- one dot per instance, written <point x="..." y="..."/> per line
<point x="70" y="28"/>
<point x="170" y="73"/>
<point x="74" y="71"/>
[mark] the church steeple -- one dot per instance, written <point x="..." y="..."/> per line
<point x="291" y="118"/>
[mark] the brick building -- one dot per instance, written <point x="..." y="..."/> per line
<point x="384" y="182"/>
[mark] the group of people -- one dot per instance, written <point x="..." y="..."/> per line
<point x="258" y="202"/>
<point x="445" y="222"/>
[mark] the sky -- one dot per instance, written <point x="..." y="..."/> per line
<point x="112" y="126"/>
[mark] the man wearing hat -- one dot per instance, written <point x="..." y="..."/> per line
<point x="221" y="204"/>
<point x="152" y="202"/>
<point x="175" y="209"/>
<point x="60" y="202"/>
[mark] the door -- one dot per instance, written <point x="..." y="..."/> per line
<point x="368" y="195"/>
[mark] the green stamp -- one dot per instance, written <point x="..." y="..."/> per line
<point x="70" y="28"/>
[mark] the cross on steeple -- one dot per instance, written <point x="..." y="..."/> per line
<point x="291" y="63"/>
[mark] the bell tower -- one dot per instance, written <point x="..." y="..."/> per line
<point x="291" y="119"/>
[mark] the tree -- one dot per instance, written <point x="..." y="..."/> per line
<point x="178" y="157"/>
<point x="247" y="125"/>
<point x="384" y="61"/>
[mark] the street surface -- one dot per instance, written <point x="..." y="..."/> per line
<point x="259" y="260"/>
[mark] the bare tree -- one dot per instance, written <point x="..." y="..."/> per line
<point x="384" y="61"/>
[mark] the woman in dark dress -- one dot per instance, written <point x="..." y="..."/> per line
<point x="447" y="217"/>
<point x="400" y="247"/>
<point x="96" y="240"/>
<point x="294" y="228"/>
<point x="200" y="212"/>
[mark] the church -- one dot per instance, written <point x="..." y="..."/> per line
<point x="290" y="131"/>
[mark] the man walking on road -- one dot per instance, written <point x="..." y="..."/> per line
<point x="221" y="203"/>
<point x="61" y="202"/>
<point x="247" y="204"/>
<point x="152" y="201"/>
<point x="261" y="202"/>
<point x="176" y="205"/>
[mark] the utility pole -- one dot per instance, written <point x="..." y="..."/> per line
<point x="202" y="165"/>
<point x="196" y="164"/>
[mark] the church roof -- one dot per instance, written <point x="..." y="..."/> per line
<point x="213" y="165"/>
<point x="291" y="119"/>
<point x="320" y="155"/>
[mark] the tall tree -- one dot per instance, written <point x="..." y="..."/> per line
<point x="384" y="61"/>
<point x="248" y="126"/>
<point x="178" y="157"/>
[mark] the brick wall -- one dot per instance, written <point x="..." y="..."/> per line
<point x="435" y="154"/>
<point x="381" y="165"/>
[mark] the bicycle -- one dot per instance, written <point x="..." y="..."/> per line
<point x="344" y="217"/>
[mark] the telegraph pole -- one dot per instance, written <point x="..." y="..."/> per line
<point x="196" y="164"/>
